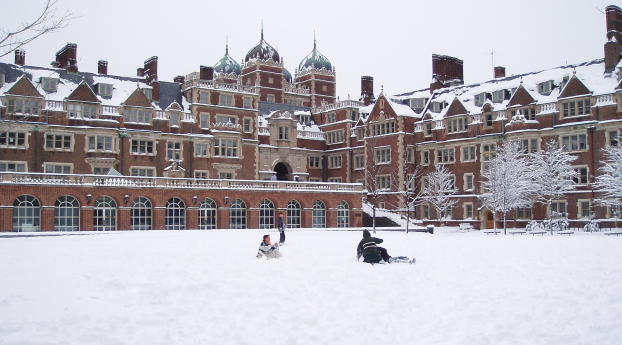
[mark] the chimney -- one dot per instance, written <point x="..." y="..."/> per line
<point x="102" y="67"/>
<point x="499" y="72"/>
<point x="140" y="72"/>
<point x="20" y="57"/>
<point x="613" y="47"/>
<point x="447" y="70"/>
<point x="179" y="79"/>
<point x="67" y="57"/>
<point x="151" y="69"/>
<point x="206" y="73"/>
<point x="367" y="89"/>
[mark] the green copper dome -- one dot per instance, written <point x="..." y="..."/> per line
<point x="316" y="60"/>
<point x="262" y="51"/>
<point x="227" y="64"/>
<point x="287" y="75"/>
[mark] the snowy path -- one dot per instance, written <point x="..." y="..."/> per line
<point x="194" y="287"/>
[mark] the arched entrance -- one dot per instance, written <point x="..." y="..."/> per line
<point x="282" y="172"/>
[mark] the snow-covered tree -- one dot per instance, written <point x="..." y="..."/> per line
<point x="609" y="182"/>
<point x="507" y="181"/>
<point x="438" y="190"/>
<point x="554" y="174"/>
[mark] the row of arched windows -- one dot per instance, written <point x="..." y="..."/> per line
<point x="27" y="214"/>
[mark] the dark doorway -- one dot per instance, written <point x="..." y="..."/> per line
<point x="282" y="172"/>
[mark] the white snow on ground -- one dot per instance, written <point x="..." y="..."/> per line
<point x="380" y="212"/>
<point x="207" y="287"/>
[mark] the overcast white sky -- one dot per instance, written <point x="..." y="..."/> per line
<point x="390" y="40"/>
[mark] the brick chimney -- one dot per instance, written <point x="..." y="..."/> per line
<point x="367" y="89"/>
<point x="102" y="67"/>
<point x="67" y="57"/>
<point x="179" y="79"/>
<point x="150" y="71"/>
<point x="20" y="57"/>
<point x="499" y="72"/>
<point x="206" y="73"/>
<point x="613" y="47"/>
<point x="446" y="71"/>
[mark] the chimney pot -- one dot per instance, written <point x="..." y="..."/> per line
<point x="499" y="72"/>
<point x="140" y="72"/>
<point x="179" y="79"/>
<point x="367" y="89"/>
<point x="102" y="67"/>
<point x="20" y="57"/>
<point x="206" y="73"/>
<point x="67" y="57"/>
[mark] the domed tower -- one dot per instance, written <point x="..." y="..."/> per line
<point x="263" y="67"/>
<point x="227" y="69"/>
<point x="316" y="73"/>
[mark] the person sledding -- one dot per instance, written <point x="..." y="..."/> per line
<point x="370" y="251"/>
<point x="267" y="249"/>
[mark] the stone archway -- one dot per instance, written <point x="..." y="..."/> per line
<point x="282" y="172"/>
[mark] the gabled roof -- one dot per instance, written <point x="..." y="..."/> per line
<point x="521" y="97"/>
<point x="137" y="99"/>
<point x="83" y="93"/>
<point x="456" y="108"/>
<point x="574" y="87"/>
<point x="24" y="87"/>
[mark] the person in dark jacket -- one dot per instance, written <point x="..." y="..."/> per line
<point x="369" y="250"/>
<point x="281" y="226"/>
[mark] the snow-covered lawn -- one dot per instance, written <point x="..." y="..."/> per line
<point x="207" y="287"/>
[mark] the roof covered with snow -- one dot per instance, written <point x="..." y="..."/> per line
<point x="315" y="60"/>
<point x="262" y="51"/>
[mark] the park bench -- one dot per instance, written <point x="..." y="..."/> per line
<point x="465" y="227"/>
<point x="517" y="232"/>
<point x="565" y="233"/>
<point x="616" y="233"/>
<point x="541" y="233"/>
<point x="488" y="232"/>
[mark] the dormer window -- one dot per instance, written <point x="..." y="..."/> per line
<point x="49" y="84"/>
<point x="545" y="87"/>
<point x="418" y="104"/>
<point x="104" y="90"/>
<point x="82" y="110"/>
<point x="1" y="79"/>
<point x="437" y="107"/>
<point x="304" y="119"/>
<point x="498" y="96"/>
<point x="480" y="99"/>
<point x="148" y="93"/>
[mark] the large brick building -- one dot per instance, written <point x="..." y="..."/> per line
<point x="230" y="145"/>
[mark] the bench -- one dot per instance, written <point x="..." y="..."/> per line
<point x="541" y="233"/>
<point x="612" y="233"/>
<point x="517" y="232"/>
<point x="488" y="232"/>
<point x="465" y="227"/>
<point x="565" y="233"/>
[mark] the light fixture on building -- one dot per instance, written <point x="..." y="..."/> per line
<point x="126" y="198"/>
<point x="226" y="200"/>
<point x="89" y="197"/>
<point x="195" y="199"/>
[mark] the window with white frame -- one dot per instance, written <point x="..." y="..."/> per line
<point x="383" y="155"/>
<point x="247" y="127"/>
<point x="201" y="150"/>
<point x="315" y="162"/>
<point x="22" y="106"/>
<point x="142" y="147"/>
<point x="81" y="110"/>
<point x="576" y="108"/>
<point x="266" y="214"/>
<point x="359" y="162"/>
<point x="488" y="120"/>
<point x="334" y="161"/>
<point x="529" y="145"/>
<point x="247" y="102"/>
<point x="58" y="142"/>
<point x="141" y="214"/>
<point x="445" y="155"/>
<point x="382" y="128"/>
<point x="57" y="168"/>
<point x="318" y="214"/>
<point x="137" y="115"/>
<point x="101" y="170"/>
<point x="304" y="119"/>
<point x="583" y="209"/>
<point x="105" y="214"/>
<point x="270" y="98"/>
<point x="67" y="214"/>
<point x="334" y="179"/>
<point x="148" y="92"/>
<point x="226" y="119"/>
<point x="343" y="214"/>
<point x="204" y="120"/>
<point x="529" y="113"/>
<point x="100" y="143"/>
<point x="479" y="99"/>
<point x="225" y="175"/>
<point x="49" y="84"/>
<point x="383" y="182"/>
<point x="10" y="166"/>
<point x="293" y="214"/>
<point x="498" y="96"/>
<point x="410" y="154"/>
<point x="143" y="171"/>
<point x="468" y="182"/>
<point x="468" y="210"/>
<point x="428" y="129"/>
<point x="175" y="218"/>
<point x="354" y="116"/>
<point x="225" y="100"/>
<point x="545" y="88"/>
<point x="174" y="118"/>
<point x="203" y="174"/>
<point x="558" y="208"/>
<point x="331" y="117"/>
<point x="104" y="90"/>
<point x="283" y="133"/>
<point x="575" y="142"/>
<point x="582" y="175"/>
<point x="225" y="147"/>
<point x="26" y="213"/>
<point x="425" y="157"/>
<point x="456" y="125"/>
<point x="173" y="150"/>
<point x="207" y="214"/>
<point x="13" y="140"/>
<point x="204" y="97"/>
<point x="524" y="213"/>
<point x="488" y="153"/>
<point x="613" y="138"/>
<point x="468" y="154"/>
<point x="237" y="214"/>
<point x="334" y="137"/>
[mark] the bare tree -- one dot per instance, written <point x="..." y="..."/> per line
<point x="438" y="190"/>
<point x="609" y="182"/>
<point x="46" y="22"/>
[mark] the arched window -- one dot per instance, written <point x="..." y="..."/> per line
<point x="266" y="214"/>
<point x="175" y="214"/>
<point x="26" y="213"/>
<point x="67" y="214"/>
<point x="237" y="215"/>
<point x="141" y="214"/>
<point x="293" y="214"/>
<point x="105" y="214"/>
<point x="343" y="215"/>
<point x="207" y="214"/>
<point x="318" y="217"/>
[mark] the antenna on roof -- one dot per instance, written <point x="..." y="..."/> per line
<point x="227" y="45"/>
<point x="262" y="29"/>
<point x="314" y="45"/>
<point x="492" y="60"/>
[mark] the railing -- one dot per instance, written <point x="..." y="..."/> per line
<point x="110" y="110"/>
<point x="501" y="115"/>
<point x="439" y="124"/>
<point x="604" y="99"/>
<point x="418" y="128"/>
<point x="296" y="90"/>
<point x="226" y="126"/>
<point x="170" y="183"/>
<point x="161" y="115"/>
<point x="337" y="105"/>
<point x="310" y="135"/>
<point x="210" y="84"/>
<point x="548" y="108"/>
<point x="54" y="105"/>
<point x="264" y="131"/>
<point x="477" y="118"/>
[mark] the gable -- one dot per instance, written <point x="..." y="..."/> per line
<point x="456" y="108"/>
<point x="521" y="97"/>
<point x="138" y="99"/>
<point x="83" y="93"/>
<point x="24" y="87"/>
<point x="574" y="87"/>
<point x="174" y="106"/>
<point x="381" y="111"/>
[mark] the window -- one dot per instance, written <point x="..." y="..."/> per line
<point x="354" y="115"/>
<point x="105" y="214"/>
<point x="576" y="108"/>
<point x="445" y="155"/>
<point x="225" y="147"/>
<point x="237" y="215"/>
<point x="81" y="110"/>
<point x="468" y="182"/>
<point x="582" y="175"/>
<point x="141" y="214"/>
<point x="456" y="125"/>
<point x="315" y="162"/>
<point x="22" y="106"/>
<point x="383" y="182"/>
<point x="104" y="90"/>
<point x="207" y="214"/>
<point x="410" y="154"/>
<point x="383" y="128"/>
<point x="100" y="143"/>
<point x="545" y="87"/>
<point x="58" y="142"/>
<point x="66" y="214"/>
<point x="143" y="171"/>
<point x="359" y="162"/>
<point x="334" y="179"/>
<point x="468" y="210"/>
<point x="331" y="117"/>
<point x="148" y="92"/>
<point x="270" y="98"/>
<point x="488" y="153"/>
<point x="426" y="211"/>
<point x="480" y="99"/>
<point x="425" y="157"/>
<point x="8" y="166"/>
<point x="468" y="154"/>
<point x="334" y="137"/>
<point x="334" y="162"/>
<point x="583" y="210"/>
<point x="204" y="120"/>
<point x="498" y="96"/>
<point x="324" y="88"/>
<point x="613" y="138"/>
<point x="101" y="170"/>
<point x="202" y="174"/>
<point x="201" y="150"/>
<point x="529" y="145"/>
<point x="343" y="215"/>
<point x="283" y="133"/>
<point x="13" y="140"/>
<point x="418" y="104"/>
<point x="225" y="100"/>
<point x="26" y="213"/>
<point x="175" y="214"/>
<point x="204" y="97"/>
<point x="488" y="120"/>
<point x="558" y="208"/>
<point x="136" y="115"/>
<point x="524" y="213"/>
<point x="360" y="134"/>
<point x="173" y="151"/>
<point x="293" y="214"/>
<point x="528" y="113"/>
<point x="266" y="214"/>
<point x="447" y="214"/>
<point x="57" y="168"/>
<point x="318" y="214"/>
<point x="428" y="129"/>
<point x="304" y="119"/>
<point x="174" y="118"/>
<point x="383" y="155"/>
<point x="247" y="125"/>
<point x="248" y="102"/>
<point x="577" y="142"/>
<point x="142" y="147"/>
<point x="270" y="80"/>
<point x="49" y="84"/>
<point x="225" y="175"/>
<point x="226" y="119"/>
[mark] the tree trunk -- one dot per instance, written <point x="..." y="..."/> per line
<point x="494" y="221"/>
<point x="504" y="223"/>
<point x="373" y="218"/>
<point x="407" y="217"/>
